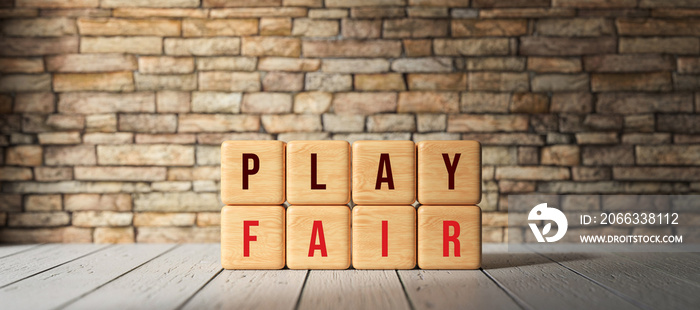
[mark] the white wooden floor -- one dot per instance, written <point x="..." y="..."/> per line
<point x="189" y="276"/>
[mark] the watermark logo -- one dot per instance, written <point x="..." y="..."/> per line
<point x="542" y="213"/>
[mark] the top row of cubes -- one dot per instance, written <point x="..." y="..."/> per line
<point x="319" y="172"/>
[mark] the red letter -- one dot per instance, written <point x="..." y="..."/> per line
<point x="246" y="171"/>
<point x="446" y="238"/>
<point x="451" y="168"/>
<point x="247" y="238"/>
<point x="317" y="230"/>
<point x="384" y="161"/>
<point x="314" y="174"/>
<point x="385" y="238"/>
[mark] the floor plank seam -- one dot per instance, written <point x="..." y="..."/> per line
<point x="521" y="303"/>
<point x="56" y="266"/>
<point x="22" y="251"/>
<point x="199" y="290"/>
<point x="301" y="292"/>
<point x="67" y="303"/>
<point x="403" y="286"/>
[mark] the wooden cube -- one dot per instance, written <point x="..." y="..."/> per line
<point x="318" y="237"/>
<point x="383" y="172"/>
<point x="449" y="172"/>
<point x="384" y="237"/>
<point x="252" y="172"/>
<point x="318" y="172"/>
<point x="252" y="237"/>
<point x="449" y="237"/>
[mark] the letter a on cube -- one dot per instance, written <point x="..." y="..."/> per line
<point x="449" y="172"/>
<point x="318" y="172"/>
<point x="318" y="237"/>
<point x="383" y="172"/>
<point x="252" y="172"/>
<point x="449" y="237"/>
<point x="252" y="237"/>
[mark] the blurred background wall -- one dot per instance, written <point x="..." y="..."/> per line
<point x="112" y="111"/>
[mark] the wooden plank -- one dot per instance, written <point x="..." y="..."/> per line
<point x="454" y="289"/>
<point x="681" y="265"/>
<point x="353" y="289"/>
<point x="633" y="281"/>
<point x="57" y="286"/>
<point x="166" y="282"/>
<point x="544" y="284"/>
<point x="38" y="259"/>
<point x="7" y="249"/>
<point x="250" y="289"/>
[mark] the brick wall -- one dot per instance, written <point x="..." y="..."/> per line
<point x="113" y="110"/>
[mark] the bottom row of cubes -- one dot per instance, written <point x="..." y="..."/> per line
<point x="334" y="237"/>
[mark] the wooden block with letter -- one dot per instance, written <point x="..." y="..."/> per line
<point x="449" y="237"/>
<point x="318" y="172"/>
<point x="252" y="172"/>
<point x="318" y="237"/>
<point x="449" y="172"/>
<point x="383" y="172"/>
<point x="384" y="237"/>
<point x="252" y="237"/>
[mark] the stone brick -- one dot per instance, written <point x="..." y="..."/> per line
<point x="628" y="63"/>
<point x="115" y="81"/>
<point x="271" y="46"/>
<point x="361" y="28"/>
<point x="379" y="82"/>
<point x="526" y="12"/>
<point x="352" y="48"/>
<point x="499" y="155"/>
<point x="283" y="81"/>
<point x="6" y="12"/>
<point x="418" y="137"/>
<point x="101" y="123"/>
<point x="451" y="81"/>
<point x="602" y="82"/>
<point x="165" y="139"/>
<point x="656" y="174"/>
<point x="90" y="63"/>
<point x="240" y="3"/>
<point x="127" y="45"/>
<point x="57" y="4"/>
<point x="532" y="173"/>
<point x="607" y="155"/>
<point x="391" y="123"/>
<point x="328" y="13"/>
<point x="164" y="219"/>
<point x="574" y="27"/>
<point x="101" y="218"/>
<point x="679" y="123"/>
<point x="218" y="138"/>
<point x="499" y="81"/>
<point x="647" y="138"/>
<point x="659" y="45"/>
<point x="595" y="4"/>
<point x="38" y="46"/>
<point x="171" y="186"/>
<point x="590" y="173"/>
<point x="208" y="219"/>
<point x="166" y="64"/>
<point x="688" y="64"/>
<point x="229" y="81"/>
<point x="495" y="64"/>
<point x="208" y="154"/>
<point x="428" y="64"/>
<point x="597" y="138"/>
<point x="15" y="174"/>
<point x="553" y="64"/>
<point x="505" y="186"/>
<point x="53" y="173"/>
<point x="128" y="27"/>
<point x="414" y="28"/>
<point x="180" y="234"/>
<point x="312" y="102"/>
<point x="202" y="46"/>
<point x="343" y="123"/>
<point x="641" y="123"/>
<point x="481" y="102"/>
<point x="377" y="12"/>
<point x="176" y="202"/>
<point x="288" y="64"/>
<point x="24" y="155"/>
<point x="98" y="202"/>
<point x="561" y="155"/>
<point x="91" y="103"/>
<point x="328" y="82"/>
<point x="668" y="154"/>
<point x="560" y="82"/>
<point x="39" y="27"/>
<point x="266" y="103"/>
<point x="352" y="137"/>
<point x="631" y="103"/>
<point x="43" y="203"/>
<point x="145" y="154"/>
<point x="165" y="82"/>
<point x="661" y="27"/>
<point x="21" y="65"/>
<point x="428" y="102"/>
<point x="73" y="187"/>
<point x="38" y="219"/>
<point x="686" y="82"/>
<point x="553" y="46"/>
<point x="152" y="123"/>
<point x="108" y="138"/>
<point x="113" y="235"/>
<point x="291" y="123"/>
<point x="286" y="137"/>
<point x="77" y="12"/>
<point x="576" y="103"/>
<point x="364" y="103"/>
<point x="159" y="12"/>
<point x="216" y="102"/>
<point x="275" y="26"/>
<point x="149" y="3"/>
<point x="217" y="123"/>
<point x="227" y="63"/>
<point x="78" y="155"/>
<point x="20" y="138"/>
<point x="307" y="27"/>
<point x="528" y="155"/>
<point x="503" y="3"/>
<point x="25" y="82"/>
<point x="488" y="28"/>
<point x="417" y="48"/>
<point x="431" y="122"/>
<point x="529" y="103"/>
<point x="355" y="65"/>
<point x="71" y="137"/>
<point x="486" y="123"/>
<point x="360" y="3"/>
<point x="219" y="27"/>
<point x="10" y="202"/>
<point x="34" y="103"/>
<point x="471" y="47"/>
<point x="259" y="12"/>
